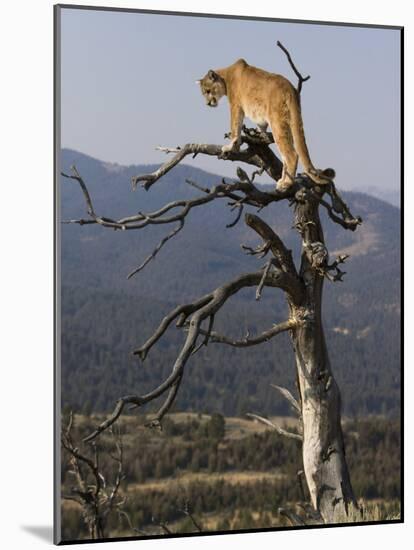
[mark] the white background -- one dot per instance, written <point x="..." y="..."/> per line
<point x="26" y="251"/>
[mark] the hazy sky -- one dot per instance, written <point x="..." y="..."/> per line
<point x="128" y="85"/>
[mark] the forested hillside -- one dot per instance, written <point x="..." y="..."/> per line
<point x="234" y="474"/>
<point x="105" y="316"/>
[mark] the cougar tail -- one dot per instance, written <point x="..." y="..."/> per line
<point x="316" y="175"/>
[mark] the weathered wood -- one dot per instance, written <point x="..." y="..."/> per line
<point x="323" y="449"/>
<point x="96" y="500"/>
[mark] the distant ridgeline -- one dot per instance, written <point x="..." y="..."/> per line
<point x="105" y="316"/>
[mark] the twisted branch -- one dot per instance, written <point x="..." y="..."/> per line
<point x="95" y="501"/>
<point x="279" y="250"/>
<point x="337" y="276"/>
<point x="157" y="217"/>
<point x="347" y="221"/>
<point x="246" y="342"/>
<point x="67" y="444"/>
<point x="256" y="154"/>
<point x="205" y="307"/>
<point x="301" y="79"/>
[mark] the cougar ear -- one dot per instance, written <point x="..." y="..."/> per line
<point x="212" y="75"/>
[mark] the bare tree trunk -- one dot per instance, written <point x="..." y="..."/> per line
<point x="323" y="450"/>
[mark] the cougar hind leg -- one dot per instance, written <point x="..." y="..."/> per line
<point x="284" y="141"/>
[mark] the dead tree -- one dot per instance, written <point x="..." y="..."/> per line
<point x="91" y="491"/>
<point x="318" y="403"/>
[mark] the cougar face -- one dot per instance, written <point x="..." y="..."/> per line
<point x="213" y="88"/>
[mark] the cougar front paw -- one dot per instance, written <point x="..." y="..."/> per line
<point x="227" y="149"/>
<point x="231" y="147"/>
<point x="283" y="184"/>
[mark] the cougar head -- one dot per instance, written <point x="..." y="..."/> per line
<point x="212" y="87"/>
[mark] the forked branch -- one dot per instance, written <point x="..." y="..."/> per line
<point x="96" y="499"/>
<point x="256" y="154"/>
<point x="167" y="214"/>
<point x="301" y="78"/>
<point x="200" y="310"/>
<point x="274" y="242"/>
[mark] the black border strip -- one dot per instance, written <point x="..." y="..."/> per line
<point x="56" y="272"/>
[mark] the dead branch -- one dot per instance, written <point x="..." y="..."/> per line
<point x="318" y="256"/>
<point x="186" y="511"/>
<point x="347" y="221"/>
<point x="168" y="214"/>
<point x="239" y="205"/>
<point x="162" y="411"/>
<point x="90" y="209"/>
<point x="201" y="309"/>
<point x="301" y="79"/>
<point x="287" y="395"/>
<point x="216" y="338"/>
<point x="266" y="271"/>
<point x="273" y="241"/>
<point x="252" y="195"/>
<point x="282" y="256"/>
<point x="95" y="502"/>
<point x="197" y="186"/>
<point x="260" y="251"/>
<point x="76" y="455"/>
<point x="158" y="217"/>
<point x="207" y="335"/>
<point x="306" y="191"/>
<point x="182" y="312"/>
<point x="278" y="429"/>
<point x="337" y="276"/>
<point x="157" y="249"/>
<point x="256" y="154"/>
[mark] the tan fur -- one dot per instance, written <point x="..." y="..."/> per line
<point x="267" y="99"/>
